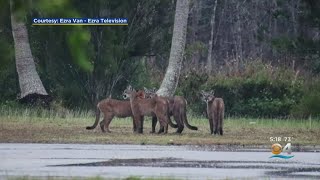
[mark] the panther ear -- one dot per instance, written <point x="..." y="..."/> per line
<point x="154" y="90"/>
<point x="212" y="92"/>
<point x="145" y="89"/>
<point x="130" y="88"/>
<point x="202" y="92"/>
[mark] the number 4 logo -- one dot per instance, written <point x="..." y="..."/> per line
<point x="276" y="150"/>
<point x="287" y="148"/>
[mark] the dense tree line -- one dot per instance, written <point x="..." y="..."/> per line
<point x="79" y="66"/>
<point x="283" y="32"/>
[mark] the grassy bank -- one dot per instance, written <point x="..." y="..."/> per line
<point x="34" y="127"/>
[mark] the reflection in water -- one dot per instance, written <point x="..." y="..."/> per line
<point x="280" y="169"/>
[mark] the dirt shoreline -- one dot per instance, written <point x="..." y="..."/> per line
<point x="239" y="136"/>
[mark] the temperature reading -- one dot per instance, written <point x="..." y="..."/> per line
<point x="287" y="139"/>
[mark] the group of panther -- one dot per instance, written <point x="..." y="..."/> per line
<point x="147" y="103"/>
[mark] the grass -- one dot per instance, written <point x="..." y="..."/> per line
<point x="43" y="126"/>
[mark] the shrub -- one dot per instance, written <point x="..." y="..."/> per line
<point x="259" y="91"/>
<point x="309" y="104"/>
<point x="189" y="88"/>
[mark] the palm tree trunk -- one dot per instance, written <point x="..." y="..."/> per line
<point x="30" y="84"/>
<point x="170" y="81"/>
<point x="212" y="24"/>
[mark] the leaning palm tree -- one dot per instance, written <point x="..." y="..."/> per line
<point x="31" y="87"/>
<point x="170" y="81"/>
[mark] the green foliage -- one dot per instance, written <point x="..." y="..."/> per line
<point x="73" y="96"/>
<point x="8" y="80"/>
<point x="310" y="13"/>
<point x="303" y="46"/>
<point x="104" y="58"/>
<point x="308" y="50"/>
<point x="6" y="52"/>
<point x="19" y="8"/>
<point x="142" y="78"/>
<point x="6" y="47"/>
<point x="83" y="65"/>
<point x="8" y="83"/>
<point x="257" y="97"/>
<point x="189" y="88"/>
<point x="284" y="44"/>
<point x="77" y="37"/>
<point x="78" y="40"/>
<point x="260" y="91"/>
<point x="50" y="7"/>
<point x="309" y="104"/>
<point x="196" y="47"/>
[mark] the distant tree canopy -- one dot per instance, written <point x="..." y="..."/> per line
<point x="80" y="65"/>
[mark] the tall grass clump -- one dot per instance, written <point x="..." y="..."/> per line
<point x="14" y="110"/>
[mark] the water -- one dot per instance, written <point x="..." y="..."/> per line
<point x="121" y="161"/>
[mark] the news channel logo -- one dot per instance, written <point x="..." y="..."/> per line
<point x="276" y="150"/>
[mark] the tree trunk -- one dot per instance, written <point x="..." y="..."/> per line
<point x="31" y="87"/>
<point x="212" y="22"/>
<point x="239" y="38"/>
<point x="170" y="81"/>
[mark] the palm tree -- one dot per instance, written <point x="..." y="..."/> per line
<point x="31" y="87"/>
<point x="170" y="81"/>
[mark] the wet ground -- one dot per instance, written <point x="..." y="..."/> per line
<point x="181" y="162"/>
